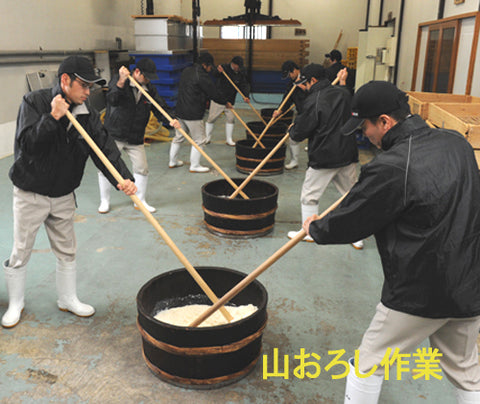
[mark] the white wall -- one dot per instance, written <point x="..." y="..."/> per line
<point x="415" y="12"/>
<point x="94" y="24"/>
<point x="455" y="9"/>
<point x="31" y="25"/>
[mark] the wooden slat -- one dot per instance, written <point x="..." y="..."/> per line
<point x="474" y="136"/>
<point x="269" y="45"/>
<point x="477" y="157"/>
<point x="220" y="23"/>
<point x="449" y="116"/>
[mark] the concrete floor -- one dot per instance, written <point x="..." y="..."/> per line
<point x="321" y="298"/>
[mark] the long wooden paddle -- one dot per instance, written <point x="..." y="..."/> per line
<point x="243" y="96"/>
<point x="185" y="135"/>
<point x="250" y="278"/>
<point x="196" y="276"/>
<point x="246" y="127"/>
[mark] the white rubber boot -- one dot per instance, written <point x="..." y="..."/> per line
<point x="208" y="132"/>
<point x="467" y="397"/>
<point x="195" y="166"/>
<point x="105" y="188"/>
<point x="173" y="162"/>
<point x="15" y="279"/>
<point x="362" y="390"/>
<point x="229" y="133"/>
<point x="295" y="151"/>
<point x="307" y="211"/>
<point x="358" y="245"/>
<point x="67" y="290"/>
<point x="141" y="183"/>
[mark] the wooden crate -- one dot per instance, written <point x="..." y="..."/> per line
<point x="419" y="101"/>
<point x="462" y="117"/>
<point x="477" y="157"/>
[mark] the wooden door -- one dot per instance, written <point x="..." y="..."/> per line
<point x="441" y="56"/>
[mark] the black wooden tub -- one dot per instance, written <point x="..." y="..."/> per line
<point x="200" y="357"/>
<point x="239" y="217"/>
<point x="267" y="113"/>
<point x="275" y="132"/>
<point x="249" y="157"/>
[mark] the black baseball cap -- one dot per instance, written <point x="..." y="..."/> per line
<point x="309" y="71"/>
<point x="148" y="68"/>
<point x="287" y="67"/>
<point x="238" y="60"/>
<point x="205" y="58"/>
<point x="334" y="55"/>
<point x="373" y="99"/>
<point x="82" y="68"/>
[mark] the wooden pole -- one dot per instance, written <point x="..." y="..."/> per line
<point x="190" y="140"/>
<point x="250" y="278"/>
<point x="196" y="276"/>
<point x="236" y="88"/>
<point x="247" y="128"/>
<point x="260" y="165"/>
<point x="270" y="123"/>
<point x="283" y="114"/>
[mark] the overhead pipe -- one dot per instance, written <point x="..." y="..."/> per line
<point x="441" y="9"/>
<point x="399" y="40"/>
<point x="380" y="14"/>
<point x="41" y="56"/>
<point x="270" y="13"/>
<point x="368" y="16"/>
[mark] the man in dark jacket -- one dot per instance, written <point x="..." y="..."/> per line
<point x="332" y="157"/>
<point x="291" y="71"/>
<point x="336" y="65"/>
<point x="127" y="115"/>
<point x="225" y="97"/>
<point x="50" y="157"/>
<point x="194" y="90"/>
<point x="421" y="200"/>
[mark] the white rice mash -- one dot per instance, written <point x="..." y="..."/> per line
<point x="185" y="315"/>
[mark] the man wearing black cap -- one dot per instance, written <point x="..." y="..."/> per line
<point x="50" y="158"/>
<point x="194" y="90"/>
<point x="226" y="94"/>
<point x="291" y="71"/>
<point x="420" y="198"/>
<point x="332" y="157"/>
<point x="127" y="115"/>
<point x="331" y="71"/>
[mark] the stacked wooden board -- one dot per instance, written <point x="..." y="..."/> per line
<point x="268" y="54"/>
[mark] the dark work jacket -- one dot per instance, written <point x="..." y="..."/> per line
<point x="298" y="97"/>
<point x="194" y="90"/>
<point x="333" y="70"/>
<point x="225" y="91"/>
<point x="49" y="158"/>
<point x="125" y="119"/>
<point x="325" y="110"/>
<point x="421" y="200"/>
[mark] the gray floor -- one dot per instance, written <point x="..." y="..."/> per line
<point x="321" y="298"/>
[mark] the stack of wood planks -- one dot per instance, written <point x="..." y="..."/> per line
<point x="268" y="54"/>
